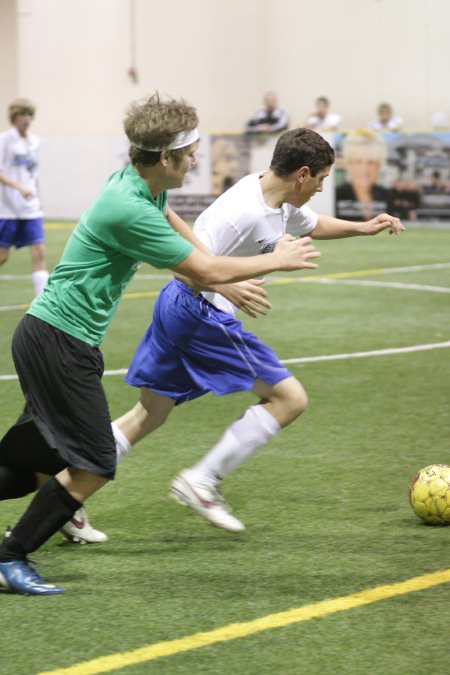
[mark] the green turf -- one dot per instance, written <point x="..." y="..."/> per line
<point x="325" y="503"/>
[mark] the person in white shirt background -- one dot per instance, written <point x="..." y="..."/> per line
<point x="386" y="121"/>
<point x="21" y="217"/>
<point x="322" y="119"/>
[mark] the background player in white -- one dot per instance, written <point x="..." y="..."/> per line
<point x="195" y="344"/>
<point x="21" y="222"/>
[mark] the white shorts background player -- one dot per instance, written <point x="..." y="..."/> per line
<point x="195" y="344"/>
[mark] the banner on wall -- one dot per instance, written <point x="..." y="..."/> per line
<point x="406" y="175"/>
<point x="196" y="194"/>
<point x="222" y="160"/>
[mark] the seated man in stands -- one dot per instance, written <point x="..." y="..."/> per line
<point x="270" y="118"/>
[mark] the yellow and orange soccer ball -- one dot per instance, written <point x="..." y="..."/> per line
<point x="429" y="494"/>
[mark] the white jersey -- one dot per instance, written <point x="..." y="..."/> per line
<point x="19" y="161"/>
<point x="391" y="125"/>
<point x="239" y="223"/>
<point x="330" y="121"/>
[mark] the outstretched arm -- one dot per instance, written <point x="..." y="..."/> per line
<point x="289" y="254"/>
<point x="328" y="227"/>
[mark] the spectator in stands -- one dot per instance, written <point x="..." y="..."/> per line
<point x="270" y="118"/>
<point x="386" y="121"/>
<point x="322" y="119"/>
<point x="361" y="197"/>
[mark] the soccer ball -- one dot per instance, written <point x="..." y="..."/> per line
<point x="429" y="494"/>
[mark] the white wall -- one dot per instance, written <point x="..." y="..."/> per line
<point x="72" y="59"/>
<point x="8" y="57"/>
<point x="222" y="54"/>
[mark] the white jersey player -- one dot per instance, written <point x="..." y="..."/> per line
<point x="195" y="344"/>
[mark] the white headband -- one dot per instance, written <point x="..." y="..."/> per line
<point x="181" y="140"/>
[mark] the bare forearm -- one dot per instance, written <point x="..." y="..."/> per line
<point x="334" y="228"/>
<point x="288" y="255"/>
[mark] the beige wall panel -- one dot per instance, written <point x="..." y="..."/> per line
<point x="73" y="58"/>
<point x="8" y="58"/>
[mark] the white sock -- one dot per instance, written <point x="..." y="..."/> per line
<point x="242" y="438"/>
<point x="123" y="445"/>
<point x="39" y="279"/>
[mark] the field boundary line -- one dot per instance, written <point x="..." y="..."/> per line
<point x="234" y="631"/>
<point x="134" y="295"/>
<point x="385" y="284"/>
<point x="375" y="352"/>
<point x="313" y="359"/>
<point x="335" y="275"/>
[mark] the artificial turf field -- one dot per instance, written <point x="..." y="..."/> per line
<point x="325" y="504"/>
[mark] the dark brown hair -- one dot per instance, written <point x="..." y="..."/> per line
<point x="301" y="147"/>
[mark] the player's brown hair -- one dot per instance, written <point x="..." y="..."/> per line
<point x="301" y="147"/>
<point x="154" y="123"/>
<point x="20" y="106"/>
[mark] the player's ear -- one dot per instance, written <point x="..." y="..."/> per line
<point x="164" y="157"/>
<point x="303" y="173"/>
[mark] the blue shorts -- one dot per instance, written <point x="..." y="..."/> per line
<point x="191" y="348"/>
<point x="21" y="232"/>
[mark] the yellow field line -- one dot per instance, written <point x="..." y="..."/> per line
<point x="140" y="294"/>
<point x="319" y="277"/>
<point x="137" y="295"/>
<point x="59" y="226"/>
<point x="106" y="664"/>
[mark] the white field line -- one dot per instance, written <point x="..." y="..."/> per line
<point x="383" y="270"/>
<point x="375" y="352"/>
<point x="14" y="277"/>
<point x="417" y="268"/>
<point x="20" y="277"/>
<point x="339" y="278"/>
<point x="12" y="308"/>
<point x="315" y="359"/>
<point x="386" y="284"/>
<point x="364" y="272"/>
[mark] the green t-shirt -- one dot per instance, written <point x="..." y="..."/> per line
<point x="124" y="226"/>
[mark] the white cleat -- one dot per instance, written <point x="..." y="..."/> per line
<point x="206" y="499"/>
<point x="80" y="531"/>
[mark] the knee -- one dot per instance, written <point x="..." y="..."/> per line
<point x="296" y="403"/>
<point x="4" y="254"/>
<point x="291" y="404"/>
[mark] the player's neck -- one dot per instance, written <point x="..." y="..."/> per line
<point x="275" y="190"/>
<point x="22" y="132"/>
<point x="153" y="178"/>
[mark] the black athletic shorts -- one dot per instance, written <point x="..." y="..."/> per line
<point x="66" y="421"/>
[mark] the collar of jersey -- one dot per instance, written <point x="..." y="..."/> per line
<point x="135" y="177"/>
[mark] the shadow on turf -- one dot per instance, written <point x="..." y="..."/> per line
<point x="157" y="544"/>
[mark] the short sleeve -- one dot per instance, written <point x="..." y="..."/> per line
<point x="150" y="238"/>
<point x="301" y="221"/>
